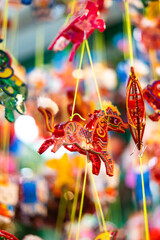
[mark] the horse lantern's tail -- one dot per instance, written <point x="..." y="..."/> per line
<point x="48" y="109"/>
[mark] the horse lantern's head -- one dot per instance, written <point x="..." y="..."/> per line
<point x="115" y="122"/>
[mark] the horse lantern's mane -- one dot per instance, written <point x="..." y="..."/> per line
<point x="110" y="109"/>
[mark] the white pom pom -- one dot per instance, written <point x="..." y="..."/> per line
<point x="31" y="237"/>
<point x="47" y="103"/>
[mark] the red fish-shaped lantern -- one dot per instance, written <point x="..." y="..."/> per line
<point x="152" y="95"/>
<point x="7" y="236"/>
<point x="90" y="139"/>
<point x="135" y="109"/>
<point x="79" y="27"/>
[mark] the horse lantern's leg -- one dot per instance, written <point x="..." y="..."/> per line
<point x="47" y="143"/>
<point x="96" y="163"/>
<point x="58" y="142"/>
<point x="109" y="164"/>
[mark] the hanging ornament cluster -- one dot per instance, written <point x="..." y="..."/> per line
<point x="13" y="92"/>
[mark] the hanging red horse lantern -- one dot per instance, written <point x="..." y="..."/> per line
<point x="152" y="95"/>
<point x="90" y="140"/>
<point x="135" y="109"/>
<point x="79" y="27"/>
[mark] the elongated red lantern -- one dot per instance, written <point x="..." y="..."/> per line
<point x="135" y="109"/>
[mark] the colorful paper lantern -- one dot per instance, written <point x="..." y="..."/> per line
<point x="90" y="140"/>
<point x="135" y="109"/>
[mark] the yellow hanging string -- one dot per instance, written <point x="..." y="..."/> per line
<point x="128" y="23"/>
<point x="14" y="32"/>
<point x="77" y="114"/>
<point x="4" y="26"/>
<point x="39" y="56"/>
<point x="78" y="183"/>
<point x="129" y="32"/>
<point x="61" y="213"/>
<point x="77" y="83"/>
<point x="144" y="202"/>
<point x="72" y="11"/>
<point x="124" y="32"/>
<point x="95" y="79"/>
<point x="6" y="138"/>
<point x="98" y="214"/>
<point x="95" y="202"/>
<point x="82" y="201"/>
<point x="98" y="201"/>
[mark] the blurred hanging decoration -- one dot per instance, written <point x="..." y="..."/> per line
<point x="90" y="140"/>
<point x="41" y="9"/>
<point x="111" y="235"/>
<point x="155" y="171"/>
<point x="146" y="2"/>
<point x="32" y="237"/>
<point x="135" y="109"/>
<point x="26" y="2"/>
<point x="13" y="92"/>
<point x="7" y="236"/>
<point x="64" y="176"/>
<point x="138" y="188"/>
<point x="88" y="105"/>
<point x="6" y="70"/>
<point x="34" y="196"/>
<point x="78" y="28"/>
<point x="18" y="3"/>
<point x="149" y="24"/>
<point x="152" y="95"/>
<point x="8" y="199"/>
<point x="66" y="75"/>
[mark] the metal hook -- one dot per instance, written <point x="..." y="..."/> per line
<point x="133" y="150"/>
<point x="142" y="151"/>
<point x="85" y="36"/>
